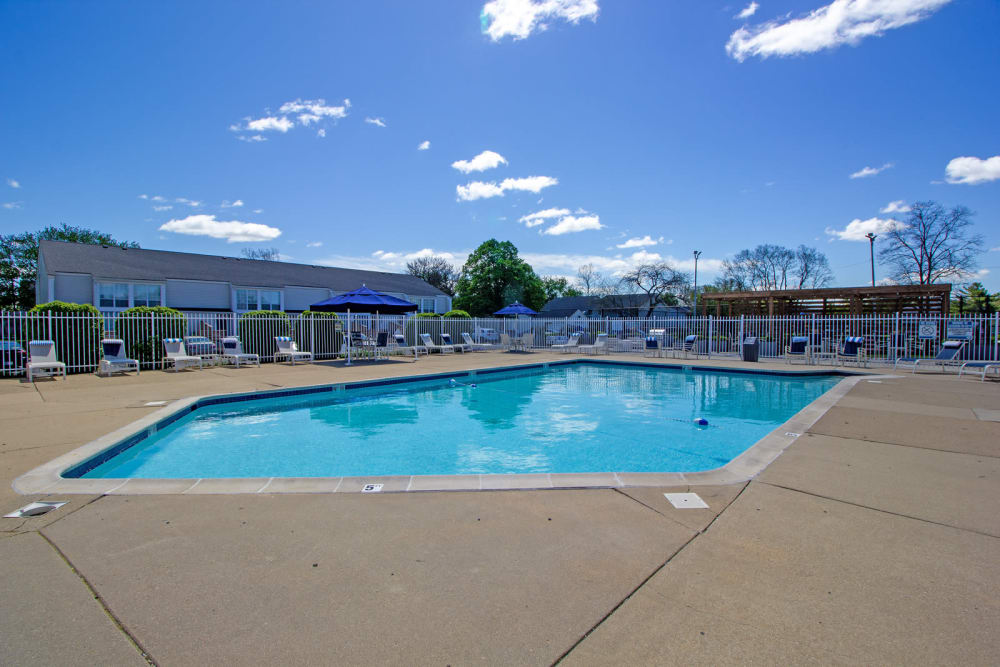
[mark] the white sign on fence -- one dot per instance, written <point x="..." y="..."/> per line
<point x="961" y="329"/>
<point x="927" y="330"/>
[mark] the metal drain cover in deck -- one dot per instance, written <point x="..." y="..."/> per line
<point x="686" y="501"/>
<point x="36" y="509"/>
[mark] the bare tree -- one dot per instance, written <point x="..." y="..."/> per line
<point x="932" y="245"/>
<point x="269" y="254"/>
<point x="436" y="271"/>
<point x="660" y="282"/>
<point x="587" y="279"/>
<point x="812" y="268"/>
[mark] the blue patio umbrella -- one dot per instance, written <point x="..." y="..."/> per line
<point x="515" y="309"/>
<point x="363" y="300"/>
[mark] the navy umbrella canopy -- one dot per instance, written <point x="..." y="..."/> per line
<point x="364" y="300"/>
<point x="515" y="309"/>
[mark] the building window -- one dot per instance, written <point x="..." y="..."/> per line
<point x="427" y="305"/>
<point x="119" y="296"/>
<point x="258" y="299"/>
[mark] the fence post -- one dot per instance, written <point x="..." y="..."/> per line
<point x="153" y="351"/>
<point x="709" y="346"/>
<point x="739" y="344"/>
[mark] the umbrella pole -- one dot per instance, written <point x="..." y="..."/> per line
<point x="348" y="337"/>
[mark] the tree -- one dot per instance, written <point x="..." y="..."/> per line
<point x="435" y="271"/>
<point x="19" y="260"/>
<point x="267" y="254"/>
<point x="660" y="282"/>
<point x="587" y="279"/>
<point x="774" y="267"/>
<point x="493" y="276"/>
<point x="974" y="298"/>
<point x="556" y="287"/>
<point x="932" y="245"/>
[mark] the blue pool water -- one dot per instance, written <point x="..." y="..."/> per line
<point x="575" y="418"/>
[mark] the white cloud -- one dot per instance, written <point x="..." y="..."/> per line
<point x="424" y="145"/>
<point x="11" y="205"/>
<point x="166" y="207"/>
<point x="381" y="260"/>
<point x="314" y="244"/>
<point x="897" y="206"/>
<point x="748" y="11"/>
<point x="235" y="204"/>
<point x="553" y="263"/>
<point x="520" y="18"/>
<point x="311" y="111"/>
<point x="181" y="200"/>
<point x="143" y="196"/>
<point x="375" y="121"/>
<point x="857" y="228"/>
<point x="321" y="132"/>
<point x="253" y="138"/>
<point x="571" y="224"/>
<point x="840" y="22"/>
<point x="973" y="170"/>
<point x="640" y="242"/>
<point x="234" y="231"/>
<point x="258" y="210"/>
<point x="871" y="171"/>
<point x="480" y="190"/>
<point x="482" y="162"/>
<point x="539" y="217"/>
<point x="268" y="123"/>
<point x="12" y="183"/>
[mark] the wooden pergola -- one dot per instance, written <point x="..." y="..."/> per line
<point x="904" y="299"/>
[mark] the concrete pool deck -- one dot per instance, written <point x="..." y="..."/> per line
<point x="875" y="537"/>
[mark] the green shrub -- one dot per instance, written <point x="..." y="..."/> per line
<point x="76" y="328"/>
<point x="457" y="313"/>
<point x="322" y="331"/>
<point x="428" y="315"/>
<point x="143" y="329"/>
<point x="258" y="328"/>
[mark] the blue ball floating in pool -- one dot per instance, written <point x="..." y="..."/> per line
<point x="701" y="421"/>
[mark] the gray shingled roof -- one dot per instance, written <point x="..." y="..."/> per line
<point x="136" y="264"/>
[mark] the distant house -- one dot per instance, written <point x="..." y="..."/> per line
<point x="114" y="279"/>
<point x="612" y="305"/>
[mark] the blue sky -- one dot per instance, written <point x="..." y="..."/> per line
<point x="640" y="130"/>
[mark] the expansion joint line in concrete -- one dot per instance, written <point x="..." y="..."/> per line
<point x="877" y="509"/>
<point x="652" y="574"/>
<point x="897" y="444"/>
<point x="102" y="602"/>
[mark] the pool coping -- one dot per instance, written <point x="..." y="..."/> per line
<point x="48" y="478"/>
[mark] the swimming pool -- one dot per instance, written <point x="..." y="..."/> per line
<point x="560" y="418"/>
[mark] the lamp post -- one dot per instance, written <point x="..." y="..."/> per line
<point x="697" y="254"/>
<point x="871" y="245"/>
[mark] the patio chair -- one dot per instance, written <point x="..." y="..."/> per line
<point x="983" y="367"/>
<point x="687" y="347"/>
<point x="428" y="342"/>
<point x="201" y="346"/>
<point x="42" y="360"/>
<point x="600" y="346"/>
<point x="401" y="346"/>
<point x="652" y="346"/>
<point x="461" y="347"/>
<point x="232" y="350"/>
<point x="853" y="349"/>
<point x="506" y="343"/>
<point x="569" y="346"/>
<point x="113" y="359"/>
<point x="527" y="341"/>
<point x="946" y="356"/>
<point x="177" y="355"/>
<point x="798" y="348"/>
<point x="289" y="349"/>
<point x="473" y="345"/>
<point x="381" y="346"/>
<point x="12" y="356"/>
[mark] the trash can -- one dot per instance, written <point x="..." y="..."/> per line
<point x="750" y="349"/>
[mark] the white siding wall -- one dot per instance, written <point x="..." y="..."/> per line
<point x="442" y="304"/>
<point x="74" y="289"/>
<point x="183" y="294"/>
<point x="300" y="298"/>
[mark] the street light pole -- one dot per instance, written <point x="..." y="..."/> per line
<point x="871" y="244"/>
<point x="697" y="254"/>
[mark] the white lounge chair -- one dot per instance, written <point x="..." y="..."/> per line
<point x="232" y="350"/>
<point x="473" y="345"/>
<point x="688" y="347"/>
<point x="569" y="346"/>
<point x="600" y="346"/>
<point x="948" y="355"/>
<point x="113" y="359"/>
<point x="652" y="347"/>
<point x="428" y="342"/>
<point x="401" y="346"/>
<point x="42" y="360"/>
<point x="461" y="347"/>
<point x="798" y="348"/>
<point x="853" y="349"/>
<point x="177" y="355"/>
<point x="289" y="349"/>
<point x="983" y="367"/>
